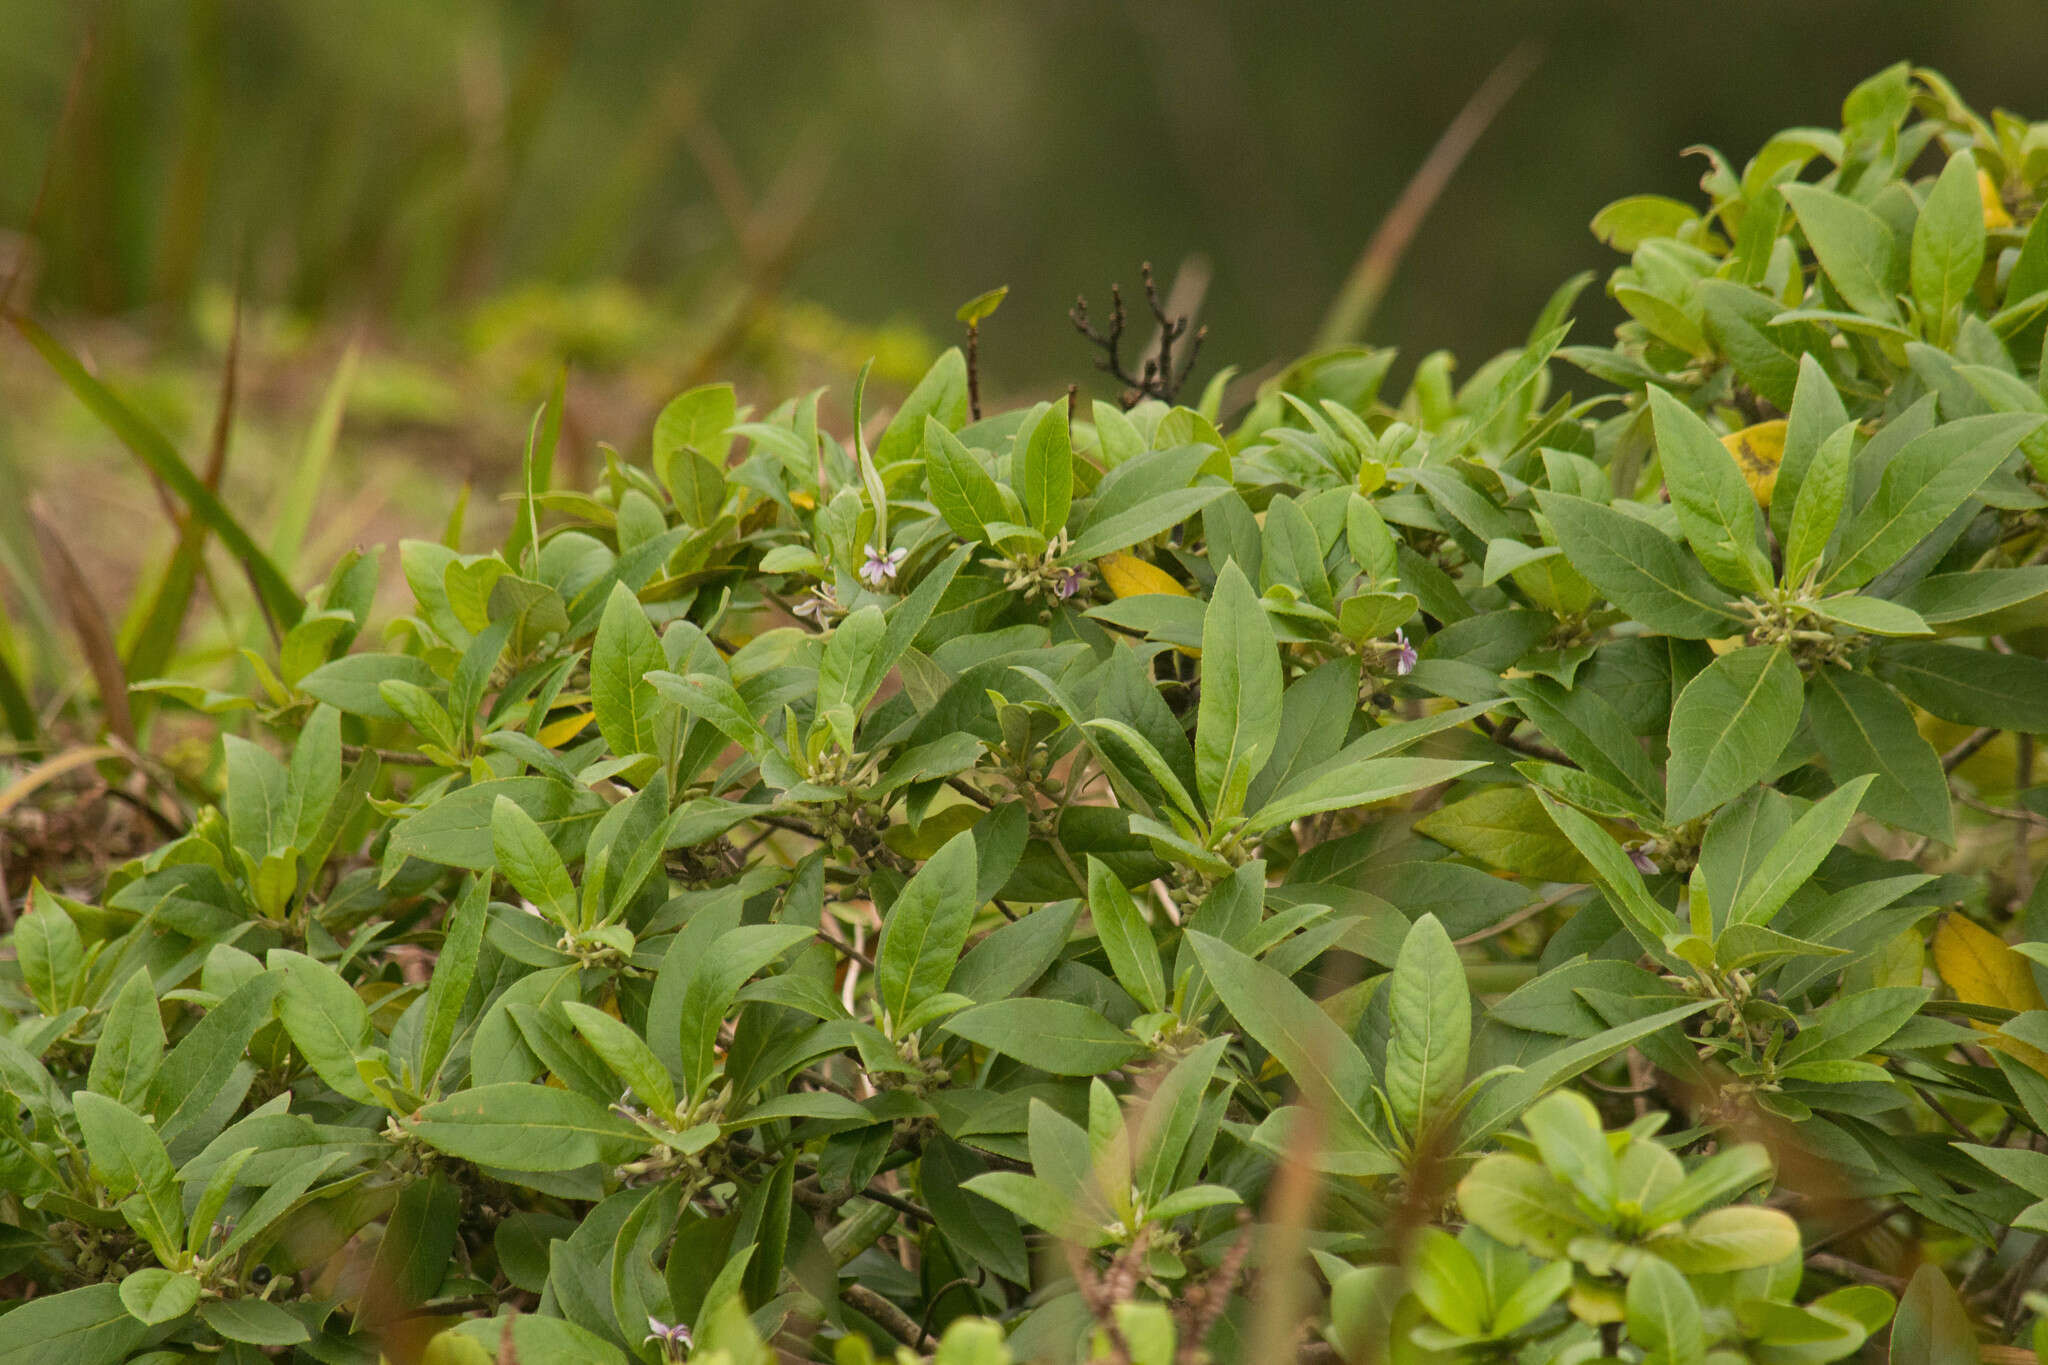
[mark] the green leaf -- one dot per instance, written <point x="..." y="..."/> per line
<point x="1514" y="1200"/>
<point x="157" y="1296"/>
<point x="690" y="442"/>
<point x="529" y="861"/>
<point x="1431" y="1037"/>
<point x="354" y="683"/>
<point x="926" y="928"/>
<point x="413" y="1257"/>
<point x="1566" y="1130"/>
<point x="708" y="991"/>
<point x="131" y="1042"/>
<point x="960" y="488"/>
<point x="1969" y="686"/>
<point x="1740" y="1237"/>
<point x="1797" y="853"/>
<point x="130" y="1158"/>
<point x="630" y="1059"/>
<point x="517" y="1127"/>
<point x="1447" y="1279"/>
<point x="1238" y="715"/>
<point x="1663" y="1314"/>
<point x="1817" y="504"/>
<point x="1948" y="247"/>
<point x="1125" y="936"/>
<point x="940" y="395"/>
<point x="1639" y="569"/>
<point x="1862" y="727"/>
<point x="1854" y="247"/>
<point x="1058" y="1036"/>
<point x="1715" y="508"/>
<point x="1044" y="470"/>
<point x="1728" y="726"/>
<point x="625" y="652"/>
<point x="89" y="1326"/>
<point x="1932" y="1326"/>
<point x="258" y="1322"/>
<point x="328" y="1022"/>
<point x="1640" y="914"/>
<point x="454" y="968"/>
<point x="1927" y="480"/>
<point x="1324" y="1063"/>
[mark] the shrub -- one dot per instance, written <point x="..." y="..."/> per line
<point x="1045" y="868"/>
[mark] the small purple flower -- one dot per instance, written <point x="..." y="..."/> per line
<point x="1644" y="863"/>
<point x="674" y="1337"/>
<point x="818" y="605"/>
<point x="880" y="569"/>
<point x="1404" y="655"/>
<point x="1068" y="583"/>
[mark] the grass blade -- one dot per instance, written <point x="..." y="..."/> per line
<point x="95" y="640"/>
<point x="295" y="512"/>
<point x="148" y="445"/>
<point x="150" y="651"/>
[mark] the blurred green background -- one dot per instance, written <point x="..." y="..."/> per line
<point x="396" y="163"/>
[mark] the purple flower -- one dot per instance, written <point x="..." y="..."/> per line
<point x="1644" y="863"/>
<point x="1068" y="583"/>
<point x="1404" y="655"/>
<point x="674" y="1337"/>
<point x="818" y="605"/>
<point x="881" y="568"/>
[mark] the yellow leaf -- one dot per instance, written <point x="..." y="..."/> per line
<point x="556" y="733"/>
<point x="1995" y="216"/>
<point x="1982" y="969"/>
<point x="1130" y="576"/>
<point x="1758" y="451"/>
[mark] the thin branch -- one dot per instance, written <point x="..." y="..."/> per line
<point x="1367" y="283"/>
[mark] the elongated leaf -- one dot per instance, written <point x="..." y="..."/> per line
<point x="1638" y="569"/>
<point x="1714" y="505"/>
<point x="1863" y="727"/>
<point x="1238" y="717"/>
<point x="1924" y="482"/>
<point x="1059" y="1036"/>
<point x="1125" y="937"/>
<point x="1854" y="246"/>
<point x="1796" y="854"/>
<point x="1327" y="1067"/>
<point x="526" y="1128"/>
<point x="162" y="460"/>
<point x="1431" y="1012"/>
<point x="1043" y="469"/>
<point x="1948" y="247"/>
<point x="926" y="928"/>
<point x="1727" y="728"/>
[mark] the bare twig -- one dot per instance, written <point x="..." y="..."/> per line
<point x="1158" y="375"/>
<point x="883" y="1314"/>
<point x="1843" y="1268"/>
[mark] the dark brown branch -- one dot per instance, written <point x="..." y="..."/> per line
<point x="883" y="1314"/>
<point x="1157" y="375"/>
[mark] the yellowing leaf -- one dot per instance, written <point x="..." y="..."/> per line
<point x="556" y="733"/>
<point x="1995" y="216"/>
<point x="1130" y="576"/>
<point x="1982" y="969"/>
<point x="1758" y="451"/>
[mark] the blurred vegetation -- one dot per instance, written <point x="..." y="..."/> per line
<point x="395" y="161"/>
